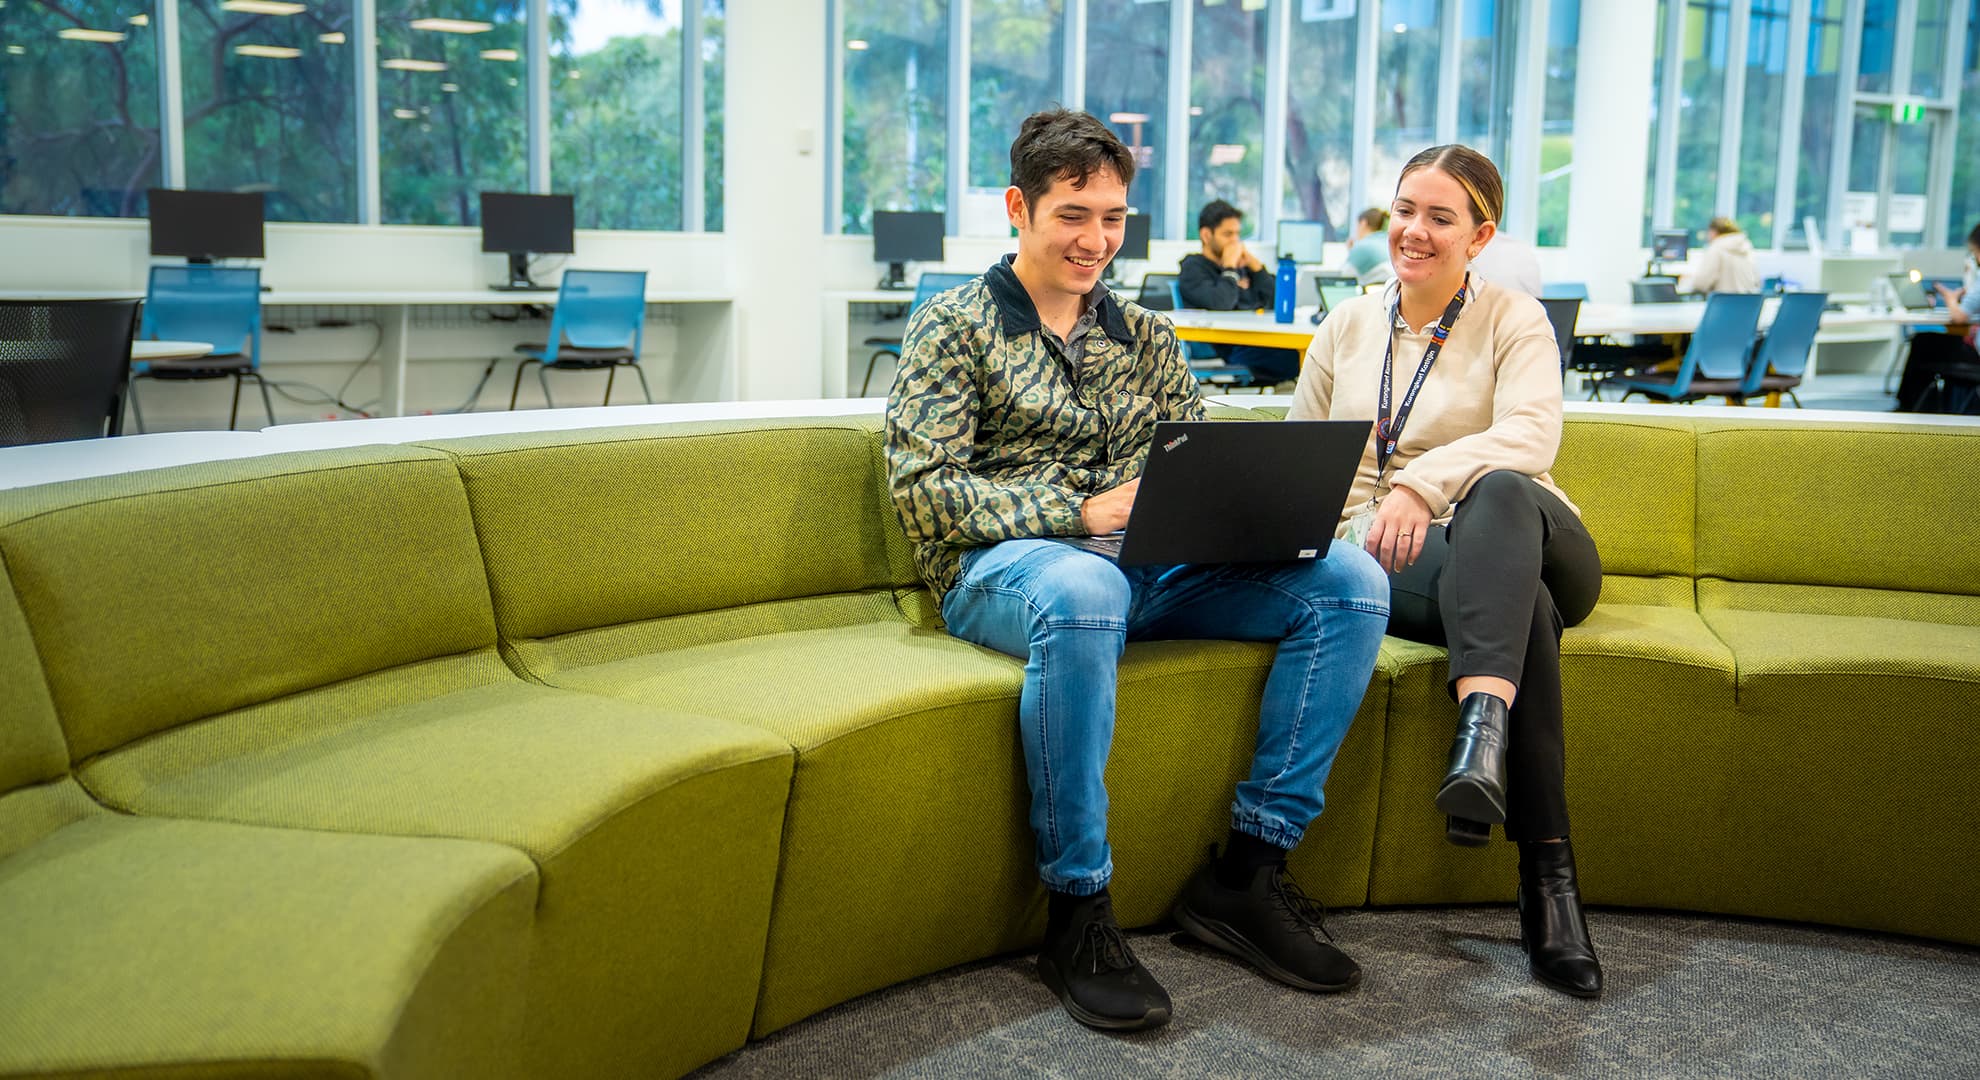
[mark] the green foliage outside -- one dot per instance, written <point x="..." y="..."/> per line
<point x="78" y="119"/>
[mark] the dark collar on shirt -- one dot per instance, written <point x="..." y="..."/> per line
<point x="1020" y="315"/>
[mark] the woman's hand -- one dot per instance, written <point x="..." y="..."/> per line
<point x="1395" y="537"/>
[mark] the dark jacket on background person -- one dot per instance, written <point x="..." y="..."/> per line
<point x="1206" y="285"/>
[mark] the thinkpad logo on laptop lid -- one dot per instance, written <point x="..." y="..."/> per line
<point x="1175" y="442"/>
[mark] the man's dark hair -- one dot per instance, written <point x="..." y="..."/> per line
<point x="1060" y="144"/>
<point x="1216" y="214"/>
<point x="1973" y="238"/>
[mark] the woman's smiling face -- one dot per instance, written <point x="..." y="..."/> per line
<point x="1432" y="231"/>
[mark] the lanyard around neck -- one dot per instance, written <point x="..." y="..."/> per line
<point x="1388" y="430"/>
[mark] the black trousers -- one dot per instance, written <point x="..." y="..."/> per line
<point x="1514" y="568"/>
<point x="1941" y="374"/>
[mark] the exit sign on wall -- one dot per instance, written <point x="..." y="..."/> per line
<point x="1909" y="111"/>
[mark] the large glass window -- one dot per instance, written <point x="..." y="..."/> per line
<point x="1928" y="49"/>
<point x="1879" y="48"/>
<point x="1405" y="89"/>
<point x="615" y="114"/>
<point x="1017" y="53"/>
<point x="1320" y="118"/>
<point x="1557" y="123"/>
<point x="1965" y="204"/>
<point x="453" y="116"/>
<point x="1487" y="35"/>
<point x="1227" y="107"/>
<point x="1818" y="118"/>
<point x="1702" y="84"/>
<point x="1127" y="79"/>
<point x="714" y="51"/>
<point x="1760" y="130"/>
<point x="894" y="109"/>
<point x="269" y="104"/>
<point x="78" y="108"/>
<point x="1910" y="172"/>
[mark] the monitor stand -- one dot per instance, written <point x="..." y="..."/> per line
<point x="519" y="280"/>
<point x="896" y="276"/>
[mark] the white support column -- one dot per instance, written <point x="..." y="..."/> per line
<point x="1725" y="198"/>
<point x="1787" y="159"/>
<point x="1615" y="58"/>
<point x="1175" y="155"/>
<point x="1528" y="112"/>
<point x="1278" y="42"/>
<point x="693" y="160"/>
<point x="1450" y="28"/>
<point x="1845" y="133"/>
<point x="537" y="79"/>
<point x="958" y="163"/>
<point x="1368" y="31"/>
<point x="1669" y="117"/>
<point x="1074" y="94"/>
<point x="834" y="122"/>
<point x="171" y="97"/>
<point x="364" y="60"/>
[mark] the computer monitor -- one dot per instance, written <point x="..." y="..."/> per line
<point x="206" y="225"/>
<point x="1303" y="240"/>
<point x="520" y="225"/>
<point x="904" y="236"/>
<point x="1134" y="245"/>
<point x="1669" y="245"/>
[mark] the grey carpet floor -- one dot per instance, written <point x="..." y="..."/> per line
<point x="1446" y="994"/>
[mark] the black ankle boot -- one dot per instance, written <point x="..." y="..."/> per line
<point x="1465" y="832"/>
<point x="1087" y="962"/>
<point x="1551" y="925"/>
<point x="1474" y="784"/>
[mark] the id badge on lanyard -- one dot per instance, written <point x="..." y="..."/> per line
<point x="1389" y="429"/>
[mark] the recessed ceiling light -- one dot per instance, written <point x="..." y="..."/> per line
<point x="405" y="114"/>
<point x="857" y="44"/>
<point x="334" y="37"/>
<point x="407" y="63"/>
<point x="79" y="33"/>
<point x="263" y="7"/>
<point x="574" y="74"/>
<point x="500" y="54"/>
<point x="450" y="88"/>
<point x="139" y="19"/>
<point x="1127" y="118"/>
<point x="452" y="26"/>
<point x="270" y="52"/>
<point x="17" y="50"/>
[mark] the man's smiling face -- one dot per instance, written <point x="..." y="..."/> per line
<point x="1066" y="240"/>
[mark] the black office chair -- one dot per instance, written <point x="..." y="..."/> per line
<point x="1562" y="313"/>
<point x="64" y="368"/>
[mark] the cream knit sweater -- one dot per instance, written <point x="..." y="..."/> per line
<point x="1492" y="401"/>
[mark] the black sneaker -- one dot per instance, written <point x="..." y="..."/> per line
<point x="1096" y="976"/>
<point x="1272" y="925"/>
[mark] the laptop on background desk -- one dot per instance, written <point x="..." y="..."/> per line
<point x="1238" y="491"/>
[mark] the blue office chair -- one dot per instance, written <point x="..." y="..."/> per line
<point x="1564" y="290"/>
<point x="217" y="305"/>
<point x="1715" y="362"/>
<point x="1783" y="354"/>
<point x="599" y="322"/>
<point x="925" y="288"/>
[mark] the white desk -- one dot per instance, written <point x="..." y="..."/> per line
<point x="837" y="343"/>
<point x="715" y="337"/>
<point x="169" y="350"/>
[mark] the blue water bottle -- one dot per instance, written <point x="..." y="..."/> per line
<point x="1286" y="290"/>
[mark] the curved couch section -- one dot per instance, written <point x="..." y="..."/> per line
<point x="597" y="752"/>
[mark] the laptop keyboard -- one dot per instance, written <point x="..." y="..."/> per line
<point x="1105" y="546"/>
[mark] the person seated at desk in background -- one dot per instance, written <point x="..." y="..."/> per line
<point x="1511" y="262"/>
<point x="1942" y="372"/>
<point x="1368" y="252"/>
<point x="1025" y="408"/>
<point x="1725" y="264"/>
<point x="1226" y="277"/>
<point x="1485" y="553"/>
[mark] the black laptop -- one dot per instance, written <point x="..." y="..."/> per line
<point x="1238" y="491"/>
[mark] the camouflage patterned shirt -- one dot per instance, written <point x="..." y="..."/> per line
<point x="994" y="433"/>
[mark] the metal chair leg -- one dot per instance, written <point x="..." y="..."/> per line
<point x="643" y="388"/>
<point x="870" y="362"/>
<point x="266" y="402"/>
<point x="516" y="387"/>
<point x="234" y="413"/>
<point x="544" y="381"/>
<point x="137" y="411"/>
<point x="611" y="373"/>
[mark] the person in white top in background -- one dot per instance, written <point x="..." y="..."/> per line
<point x="1725" y="264"/>
<point x="1484" y="553"/>
<point x="1511" y="262"/>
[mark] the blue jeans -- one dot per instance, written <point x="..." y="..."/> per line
<point x="1070" y="613"/>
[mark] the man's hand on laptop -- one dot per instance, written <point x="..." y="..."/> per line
<point x="1107" y="512"/>
<point x="1395" y="537"/>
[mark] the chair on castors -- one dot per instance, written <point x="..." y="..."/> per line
<point x="925" y="288"/>
<point x="215" y="304"/>
<point x="63" y="368"/>
<point x="1783" y="354"/>
<point x="1715" y="363"/>
<point x="599" y="322"/>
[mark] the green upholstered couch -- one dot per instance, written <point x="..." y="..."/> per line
<point x="596" y="752"/>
